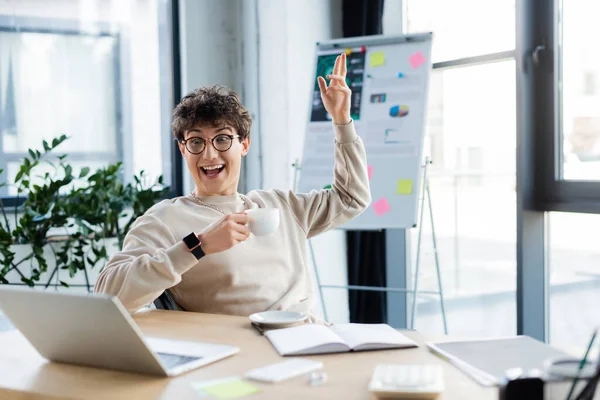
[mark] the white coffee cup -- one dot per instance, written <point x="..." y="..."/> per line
<point x="263" y="221"/>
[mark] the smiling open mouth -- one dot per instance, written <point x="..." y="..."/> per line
<point x="213" y="170"/>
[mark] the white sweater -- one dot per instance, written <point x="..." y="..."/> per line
<point x="262" y="273"/>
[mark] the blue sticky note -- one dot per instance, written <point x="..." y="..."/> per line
<point x="400" y="75"/>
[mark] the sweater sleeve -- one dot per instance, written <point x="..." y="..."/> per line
<point x="152" y="260"/>
<point x="322" y="210"/>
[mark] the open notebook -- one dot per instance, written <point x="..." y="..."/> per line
<point x="319" y="339"/>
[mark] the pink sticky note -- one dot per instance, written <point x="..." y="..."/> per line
<point x="370" y="170"/>
<point x="416" y="60"/>
<point x="381" y="206"/>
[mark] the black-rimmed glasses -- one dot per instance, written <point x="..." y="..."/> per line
<point x="196" y="145"/>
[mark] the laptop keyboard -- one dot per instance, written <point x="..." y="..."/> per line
<point x="175" y="360"/>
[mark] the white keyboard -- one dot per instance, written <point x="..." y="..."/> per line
<point x="409" y="381"/>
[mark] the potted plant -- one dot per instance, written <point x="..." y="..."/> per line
<point x="67" y="222"/>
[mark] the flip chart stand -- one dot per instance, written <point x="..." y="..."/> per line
<point x="427" y="193"/>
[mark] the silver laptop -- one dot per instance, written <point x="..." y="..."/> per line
<point x="97" y="331"/>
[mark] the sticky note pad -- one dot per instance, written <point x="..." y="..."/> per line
<point x="381" y="206"/>
<point x="370" y="171"/>
<point x="416" y="60"/>
<point x="405" y="186"/>
<point x="377" y="59"/>
<point x="231" y="389"/>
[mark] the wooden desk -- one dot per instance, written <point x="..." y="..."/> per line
<point x="25" y="375"/>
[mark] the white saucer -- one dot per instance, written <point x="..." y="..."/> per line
<point x="278" y="318"/>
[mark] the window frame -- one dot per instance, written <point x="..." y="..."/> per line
<point x="552" y="193"/>
<point x="169" y="43"/>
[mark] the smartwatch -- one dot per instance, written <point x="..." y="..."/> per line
<point x="193" y="244"/>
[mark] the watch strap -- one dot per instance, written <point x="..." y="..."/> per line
<point x="198" y="252"/>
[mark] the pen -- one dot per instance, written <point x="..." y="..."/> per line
<point x="581" y="365"/>
<point x="258" y="328"/>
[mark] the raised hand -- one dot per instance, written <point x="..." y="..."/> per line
<point x="336" y="96"/>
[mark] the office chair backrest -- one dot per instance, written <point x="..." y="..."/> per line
<point x="166" y="302"/>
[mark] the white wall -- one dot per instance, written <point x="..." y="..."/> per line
<point x="265" y="49"/>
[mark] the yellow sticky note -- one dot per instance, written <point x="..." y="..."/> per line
<point x="405" y="186"/>
<point x="231" y="389"/>
<point x="377" y="59"/>
<point x="348" y="51"/>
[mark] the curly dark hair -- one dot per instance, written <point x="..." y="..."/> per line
<point x="213" y="106"/>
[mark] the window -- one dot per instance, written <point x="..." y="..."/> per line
<point x="556" y="169"/>
<point x="578" y="98"/>
<point x="574" y="279"/>
<point x="471" y="139"/>
<point x="464" y="28"/>
<point x="99" y="71"/>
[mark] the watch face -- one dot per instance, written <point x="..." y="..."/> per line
<point x="191" y="240"/>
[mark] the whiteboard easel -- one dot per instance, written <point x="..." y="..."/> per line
<point x="389" y="78"/>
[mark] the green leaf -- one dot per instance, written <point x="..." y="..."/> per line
<point x="27" y="281"/>
<point x="84" y="171"/>
<point x="19" y="175"/>
<point x="32" y="154"/>
<point x="63" y="283"/>
<point x="46" y="147"/>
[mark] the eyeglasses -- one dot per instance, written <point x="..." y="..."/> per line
<point x="196" y="145"/>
